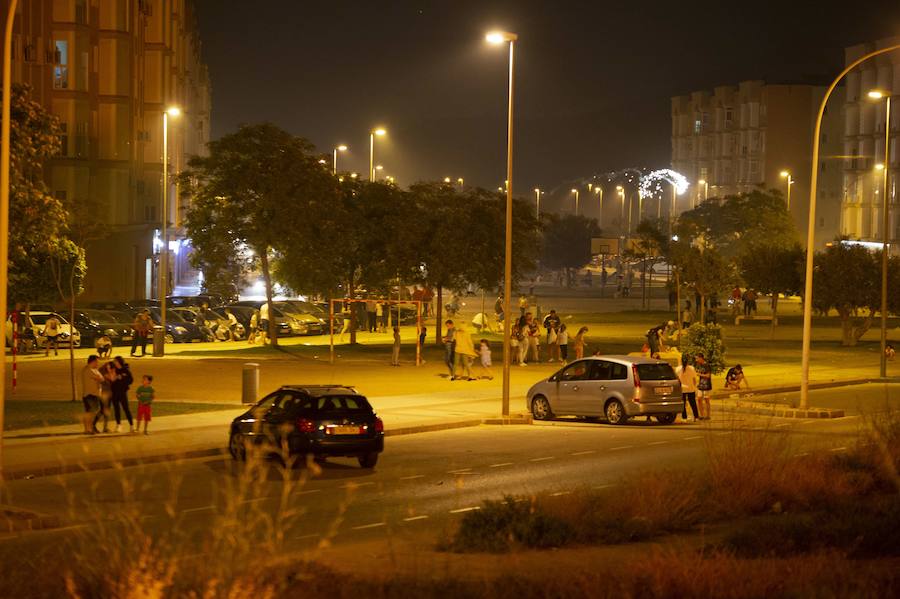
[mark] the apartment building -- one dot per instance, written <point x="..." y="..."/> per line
<point x="864" y="141"/>
<point x="735" y="139"/>
<point x="108" y="69"/>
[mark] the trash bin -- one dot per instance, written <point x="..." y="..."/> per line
<point x="250" y="383"/>
<point x="159" y="342"/>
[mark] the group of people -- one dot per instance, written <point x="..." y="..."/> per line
<point x="106" y="385"/>
<point x="460" y="354"/>
<point x="746" y="299"/>
<point x="696" y="385"/>
<point x="525" y="339"/>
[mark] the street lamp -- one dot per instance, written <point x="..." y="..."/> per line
<point x="174" y="112"/>
<point x="377" y="169"/>
<point x="790" y="181"/>
<point x="380" y="131"/>
<point x="575" y="191"/>
<point x="621" y="191"/>
<point x="446" y="179"/>
<point x="340" y="148"/>
<point x="876" y="95"/>
<point x="461" y="181"/>
<point x="497" y="38"/>
<point x="599" y="190"/>
<point x="811" y="225"/>
<point x="4" y="196"/>
<point x="705" y="185"/>
<point x="537" y="200"/>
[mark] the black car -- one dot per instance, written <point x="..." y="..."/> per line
<point x="178" y="330"/>
<point x="93" y="324"/>
<point x="317" y="420"/>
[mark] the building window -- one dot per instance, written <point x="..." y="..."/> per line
<point x="698" y="125"/>
<point x="61" y="64"/>
<point x="729" y="117"/>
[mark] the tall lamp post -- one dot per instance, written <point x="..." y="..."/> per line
<point x="876" y="94"/>
<point x="599" y="190"/>
<point x="537" y="201"/>
<point x="786" y="175"/>
<point x="4" y="198"/>
<point x="575" y="191"/>
<point x="174" y="112"/>
<point x="811" y="225"/>
<point x="705" y="185"/>
<point x="380" y="131"/>
<point x="340" y="148"/>
<point x="497" y="38"/>
<point x="621" y="191"/>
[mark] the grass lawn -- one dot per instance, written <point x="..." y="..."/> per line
<point x="37" y="413"/>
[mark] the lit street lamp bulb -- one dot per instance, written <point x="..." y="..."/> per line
<point x="173" y="111"/>
<point x="342" y="148"/>
<point x="322" y="161"/>
<point x="879" y="167"/>
<point x="785" y="174"/>
<point x="876" y="94"/>
<point x="498" y="37"/>
<point x="379" y="131"/>
<point x="702" y="181"/>
<point x="379" y="168"/>
<point x="446" y="179"/>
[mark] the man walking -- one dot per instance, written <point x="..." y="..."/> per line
<point x="449" y="340"/>
<point x="90" y="392"/>
<point x="142" y="324"/>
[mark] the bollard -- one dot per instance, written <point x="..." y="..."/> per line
<point x="159" y="342"/>
<point x="250" y="383"/>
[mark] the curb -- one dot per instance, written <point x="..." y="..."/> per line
<point x="779" y="412"/>
<point x="17" y="520"/>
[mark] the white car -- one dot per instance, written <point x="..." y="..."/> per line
<point x="67" y="332"/>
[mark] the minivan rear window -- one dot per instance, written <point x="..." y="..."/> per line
<point x="655" y="372"/>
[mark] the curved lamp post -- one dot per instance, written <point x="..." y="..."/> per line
<point x="811" y="226"/>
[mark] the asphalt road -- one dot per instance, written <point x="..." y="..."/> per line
<point x="422" y="483"/>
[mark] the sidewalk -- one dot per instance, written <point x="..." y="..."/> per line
<point x="60" y="449"/>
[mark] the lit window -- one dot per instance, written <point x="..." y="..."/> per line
<point x="61" y="66"/>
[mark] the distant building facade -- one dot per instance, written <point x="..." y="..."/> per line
<point x="740" y="138"/>
<point x="108" y="69"/>
<point x="864" y="140"/>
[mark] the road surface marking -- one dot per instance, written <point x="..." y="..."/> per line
<point x="658" y="443"/>
<point x="809" y="422"/>
<point x="413" y="477"/>
<point x="560" y="493"/>
<point x="783" y="424"/>
<point x="255" y="499"/>
<point x="544" y="459"/>
<point x="623" y="447"/>
<point x="414" y="518"/>
<point x="355" y="485"/>
<point x="365" y="526"/>
<point x="312" y="536"/>
<point x="465" y="509"/>
<point x="584" y="452"/>
<point x="460" y="471"/>
<point x="198" y="509"/>
<point x="800" y="455"/>
<point x="500" y="465"/>
<point x="308" y="492"/>
<point x="838" y="449"/>
<point x="603" y="486"/>
<point x="725" y="433"/>
<point x="692" y="438"/>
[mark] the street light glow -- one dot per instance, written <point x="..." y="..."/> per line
<point x="498" y="37"/>
<point x="342" y="148"/>
<point x="446" y="179"/>
<point x="879" y="167"/>
<point x="380" y="131"/>
<point x="877" y="94"/>
<point x="173" y="111"/>
<point x="322" y="161"/>
<point x="784" y="174"/>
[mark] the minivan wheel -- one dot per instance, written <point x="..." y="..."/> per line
<point x="666" y="418"/>
<point x="236" y="447"/>
<point x="615" y="413"/>
<point x="368" y="460"/>
<point x="540" y="408"/>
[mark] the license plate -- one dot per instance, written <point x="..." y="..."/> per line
<point x="663" y="390"/>
<point x="343" y="430"/>
<point x="127" y="338"/>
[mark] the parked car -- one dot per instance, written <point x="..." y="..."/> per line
<point x="178" y="330"/>
<point x="195" y="301"/>
<point x="243" y="314"/>
<point x="317" y="420"/>
<point x="294" y="326"/>
<point x="307" y="314"/>
<point x="67" y="333"/>
<point x="612" y="387"/>
<point x="93" y="324"/>
<point x="217" y="326"/>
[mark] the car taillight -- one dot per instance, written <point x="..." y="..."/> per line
<point x="637" y="382"/>
<point x="379" y="425"/>
<point x="305" y="425"/>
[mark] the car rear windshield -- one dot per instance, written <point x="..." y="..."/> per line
<point x="343" y="403"/>
<point x="655" y="372"/>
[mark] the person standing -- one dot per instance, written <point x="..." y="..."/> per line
<point x="580" y="342"/>
<point x="108" y="375"/>
<point x="484" y="352"/>
<point x="121" y="382"/>
<point x="687" y="316"/>
<point x="449" y="340"/>
<point x="562" y="340"/>
<point x="380" y="320"/>
<point x="553" y="345"/>
<point x="264" y="322"/>
<point x="395" y="353"/>
<point x="90" y="392"/>
<point x="704" y="385"/>
<point x="254" y="327"/>
<point x="145" y="395"/>
<point x="232" y="324"/>
<point x="142" y="324"/>
<point x="423" y="333"/>
<point x="688" y="377"/>
<point x="498" y="308"/>
<point x="523" y="305"/>
<point x="371" y="315"/>
<point x="51" y="334"/>
<point x="465" y="354"/>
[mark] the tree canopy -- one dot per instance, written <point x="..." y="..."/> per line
<point x="567" y="241"/>
<point x="847" y="279"/>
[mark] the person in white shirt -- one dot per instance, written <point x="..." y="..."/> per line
<point x="562" y="338"/>
<point x="688" y="377"/>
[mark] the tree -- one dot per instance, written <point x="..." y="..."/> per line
<point x="705" y="271"/>
<point x="735" y="224"/>
<point x="567" y="242"/>
<point x="258" y="189"/>
<point x="847" y="279"/>
<point x="773" y="270"/>
<point x="650" y="243"/>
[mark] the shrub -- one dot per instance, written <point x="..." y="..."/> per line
<point x="500" y="525"/>
<point x="705" y="339"/>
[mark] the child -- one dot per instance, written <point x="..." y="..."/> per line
<point x="395" y="356"/>
<point x="423" y="333"/>
<point x="562" y="338"/>
<point x="484" y="351"/>
<point x="145" y="396"/>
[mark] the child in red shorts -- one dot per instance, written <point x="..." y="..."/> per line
<point x="145" y="396"/>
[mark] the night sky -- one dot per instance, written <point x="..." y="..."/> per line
<point x="593" y="78"/>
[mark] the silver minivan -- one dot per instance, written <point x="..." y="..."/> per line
<point x="612" y="387"/>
